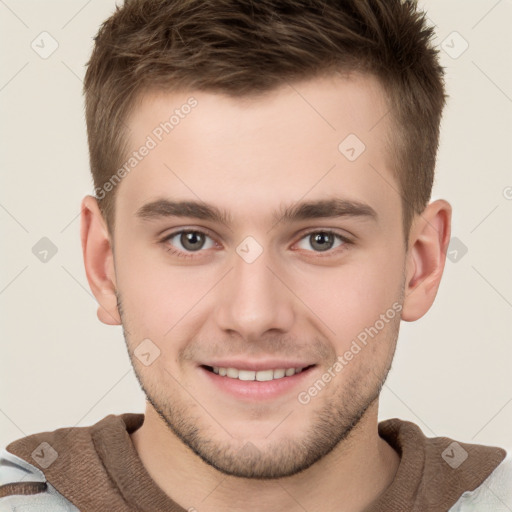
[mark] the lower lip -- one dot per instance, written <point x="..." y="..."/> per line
<point x="257" y="390"/>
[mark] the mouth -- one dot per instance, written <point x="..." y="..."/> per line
<point x="256" y="375"/>
<point x="256" y="385"/>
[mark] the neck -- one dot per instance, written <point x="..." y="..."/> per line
<point x="355" y="473"/>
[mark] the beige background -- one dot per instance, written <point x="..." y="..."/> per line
<point x="60" y="367"/>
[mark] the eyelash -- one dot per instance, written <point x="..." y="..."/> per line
<point x="185" y="255"/>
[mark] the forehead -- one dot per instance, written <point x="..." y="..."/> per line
<point x="308" y="139"/>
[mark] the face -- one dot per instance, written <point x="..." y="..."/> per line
<point x="270" y="283"/>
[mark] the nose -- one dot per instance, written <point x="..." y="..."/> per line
<point x="254" y="299"/>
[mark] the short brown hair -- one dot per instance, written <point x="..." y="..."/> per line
<point x="246" y="47"/>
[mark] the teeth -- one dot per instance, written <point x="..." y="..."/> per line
<point x="262" y="375"/>
<point x="245" y="375"/>
<point x="232" y="372"/>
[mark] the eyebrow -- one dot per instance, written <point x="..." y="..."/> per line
<point x="319" y="209"/>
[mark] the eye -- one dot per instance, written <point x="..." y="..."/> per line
<point x="323" y="240"/>
<point x="191" y="240"/>
<point x="186" y="242"/>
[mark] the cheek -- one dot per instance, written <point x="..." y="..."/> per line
<point x="152" y="295"/>
<point x="342" y="300"/>
<point x="352" y="297"/>
<point x="160" y="300"/>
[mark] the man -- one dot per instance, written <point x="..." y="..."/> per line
<point x="294" y="144"/>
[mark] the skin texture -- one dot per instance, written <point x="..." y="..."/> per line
<point x="203" y="447"/>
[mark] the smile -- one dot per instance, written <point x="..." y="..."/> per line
<point x="260" y="375"/>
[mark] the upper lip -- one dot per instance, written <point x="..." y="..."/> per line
<point x="274" y="364"/>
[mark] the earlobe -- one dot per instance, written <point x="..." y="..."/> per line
<point x="99" y="260"/>
<point x="429" y="239"/>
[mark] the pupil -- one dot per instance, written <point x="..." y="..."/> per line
<point x="323" y="240"/>
<point x="190" y="240"/>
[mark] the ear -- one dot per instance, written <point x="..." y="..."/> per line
<point x="99" y="260"/>
<point x="425" y="259"/>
